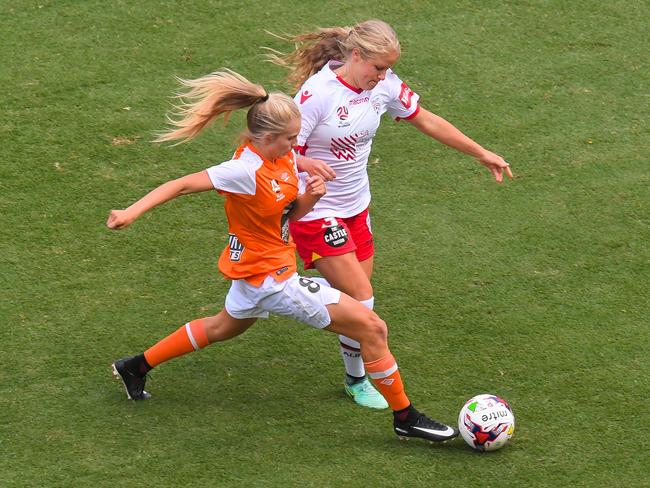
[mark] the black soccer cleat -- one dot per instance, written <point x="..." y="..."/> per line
<point x="132" y="380"/>
<point x="425" y="428"/>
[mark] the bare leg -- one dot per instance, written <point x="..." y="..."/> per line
<point x="224" y="326"/>
<point x="347" y="274"/>
<point x="353" y="320"/>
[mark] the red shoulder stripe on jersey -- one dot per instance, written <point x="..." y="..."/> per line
<point x="417" y="111"/>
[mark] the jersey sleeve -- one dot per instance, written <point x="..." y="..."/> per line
<point x="233" y="176"/>
<point x="311" y="112"/>
<point x="403" y="102"/>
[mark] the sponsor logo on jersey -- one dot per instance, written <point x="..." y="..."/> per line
<point x="281" y="270"/>
<point x="357" y="101"/>
<point x="236" y="248"/>
<point x="344" y="148"/>
<point x="304" y="96"/>
<point x="335" y="236"/>
<point x="405" y="95"/>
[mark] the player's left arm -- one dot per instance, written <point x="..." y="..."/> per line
<point x="443" y="131"/>
<point x="315" y="167"/>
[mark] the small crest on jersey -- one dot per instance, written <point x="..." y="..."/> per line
<point x="343" y="114"/>
<point x="304" y="96"/>
<point x="284" y="176"/>
<point x="405" y="95"/>
<point x="275" y="186"/>
<point x="376" y="104"/>
<point x="281" y="270"/>
<point x="335" y="236"/>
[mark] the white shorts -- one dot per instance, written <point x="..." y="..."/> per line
<point x="297" y="297"/>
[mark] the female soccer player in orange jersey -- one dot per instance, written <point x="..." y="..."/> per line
<point x="345" y="84"/>
<point x="261" y="190"/>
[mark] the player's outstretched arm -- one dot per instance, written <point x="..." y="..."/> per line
<point x="194" y="183"/>
<point x="306" y="201"/>
<point x="441" y="130"/>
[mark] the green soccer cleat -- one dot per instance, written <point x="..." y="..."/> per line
<point x="364" y="394"/>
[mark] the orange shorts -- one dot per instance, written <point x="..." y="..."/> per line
<point x="333" y="236"/>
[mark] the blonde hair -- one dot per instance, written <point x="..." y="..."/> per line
<point x="222" y="92"/>
<point x="373" y="38"/>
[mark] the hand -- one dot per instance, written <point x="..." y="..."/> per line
<point x="316" y="167"/>
<point x="315" y="186"/>
<point x="496" y="165"/>
<point x="119" y="219"/>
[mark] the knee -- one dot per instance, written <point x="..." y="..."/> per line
<point x="376" y="329"/>
<point x="362" y="292"/>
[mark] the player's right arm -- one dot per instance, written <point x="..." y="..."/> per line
<point x="194" y="183"/>
<point x="306" y="201"/>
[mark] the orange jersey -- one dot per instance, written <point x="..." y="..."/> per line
<point x="259" y="193"/>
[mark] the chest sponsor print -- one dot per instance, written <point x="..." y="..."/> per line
<point x="344" y="148"/>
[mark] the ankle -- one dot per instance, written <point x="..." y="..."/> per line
<point x="353" y="380"/>
<point x="138" y="365"/>
<point x="407" y="414"/>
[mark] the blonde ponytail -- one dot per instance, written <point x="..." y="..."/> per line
<point x="222" y="92"/>
<point x="313" y="50"/>
<point x="373" y="38"/>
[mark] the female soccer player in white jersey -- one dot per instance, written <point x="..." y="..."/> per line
<point x="346" y="83"/>
<point x="260" y="186"/>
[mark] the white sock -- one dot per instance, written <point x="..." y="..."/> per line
<point x="350" y="349"/>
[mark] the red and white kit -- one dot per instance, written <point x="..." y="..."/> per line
<point x="339" y="123"/>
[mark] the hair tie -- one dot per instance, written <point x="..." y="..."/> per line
<point x="264" y="98"/>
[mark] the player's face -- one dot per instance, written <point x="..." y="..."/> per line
<point x="370" y="71"/>
<point x="280" y="144"/>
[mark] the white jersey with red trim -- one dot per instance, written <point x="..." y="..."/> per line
<point x="338" y="124"/>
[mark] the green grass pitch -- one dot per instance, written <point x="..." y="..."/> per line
<point x="536" y="290"/>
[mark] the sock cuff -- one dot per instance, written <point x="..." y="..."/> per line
<point x="369" y="303"/>
<point x="349" y="344"/>
<point x="381" y="368"/>
<point x="196" y="334"/>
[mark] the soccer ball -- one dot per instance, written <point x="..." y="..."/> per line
<point x="486" y="422"/>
